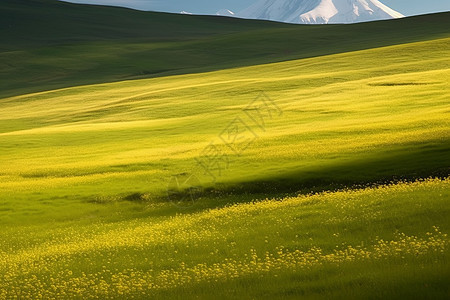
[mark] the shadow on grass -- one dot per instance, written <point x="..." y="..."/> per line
<point x="406" y="163"/>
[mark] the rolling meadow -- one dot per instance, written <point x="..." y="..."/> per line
<point x="313" y="174"/>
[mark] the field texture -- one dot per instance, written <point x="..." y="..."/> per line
<point x="314" y="173"/>
<point x="369" y="243"/>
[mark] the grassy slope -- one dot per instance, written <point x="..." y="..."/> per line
<point x="84" y="168"/>
<point x="352" y="118"/>
<point x="48" y="44"/>
<point x="372" y="243"/>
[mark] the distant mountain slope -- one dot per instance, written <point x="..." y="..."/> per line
<point x="320" y="11"/>
<point x="47" y="44"/>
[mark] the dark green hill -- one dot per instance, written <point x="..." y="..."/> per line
<point x="48" y="44"/>
<point x="44" y="22"/>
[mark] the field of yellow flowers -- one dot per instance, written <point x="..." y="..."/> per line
<point x="324" y="195"/>
<point x="372" y="241"/>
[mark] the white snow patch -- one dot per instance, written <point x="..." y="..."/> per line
<point x="225" y="12"/>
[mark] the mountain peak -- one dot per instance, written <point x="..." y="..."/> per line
<point x="319" y="11"/>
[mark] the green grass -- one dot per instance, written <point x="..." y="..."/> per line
<point x="48" y="44"/>
<point x="385" y="242"/>
<point x="343" y="124"/>
<point x="87" y="156"/>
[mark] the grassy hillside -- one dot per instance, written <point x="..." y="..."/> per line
<point x="387" y="242"/>
<point x="48" y="44"/>
<point x="354" y="118"/>
<point x="295" y="167"/>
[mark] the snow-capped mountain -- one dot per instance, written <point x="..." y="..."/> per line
<point x="225" y="12"/>
<point x="319" y="11"/>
